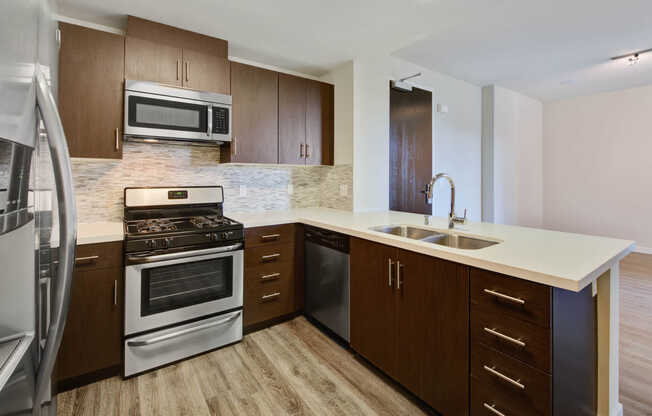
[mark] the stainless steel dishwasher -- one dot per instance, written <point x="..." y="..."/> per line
<point x="327" y="279"/>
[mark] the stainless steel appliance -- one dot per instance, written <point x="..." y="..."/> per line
<point x="154" y="111"/>
<point x="327" y="279"/>
<point x="37" y="209"/>
<point x="184" y="266"/>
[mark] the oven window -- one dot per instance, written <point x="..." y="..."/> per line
<point x="168" y="115"/>
<point x="170" y="287"/>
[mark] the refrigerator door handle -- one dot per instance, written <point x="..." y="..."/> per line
<point x="67" y="233"/>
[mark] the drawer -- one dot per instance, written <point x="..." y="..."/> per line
<point x="511" y="296"/>
<point x="260" y="276"/>
<point x="260" y="236"/>
<point x="98" y="256"/>
<point x="529" y="391"/>
<point x="519" y="339"/>
<point x="483" y="398"/>
<point x="268" y="301"/>
<point x="263" y="255"/>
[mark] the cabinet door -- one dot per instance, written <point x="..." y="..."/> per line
<point x="151" y="61"/>
<point x="255" y="115"/>
<point x="292" y="119"/>
<point x="91" y="339"/>
<point x="91" y="75"/>
<point x="206" y="72"/>
<point x="373" y="303"/>
<point x="319" y="123"/>
<point x="432" y="331"/>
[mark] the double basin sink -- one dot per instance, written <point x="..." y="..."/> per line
<point x="435" y="237"/>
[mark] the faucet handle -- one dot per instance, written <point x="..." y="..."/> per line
<point x="460" y="220"/>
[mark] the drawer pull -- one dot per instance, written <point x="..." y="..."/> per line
<point x="86" y="260"/>
<point x="504" y="377"/>
<point x="492" y="409"/>
<point x="505" y="337"/>
<point x="506" y="297"/>
<point x="270" y="256"/>
<point x="270" y="296"/>
<point x="270" y="237"/>
<point x="272" y="276"/>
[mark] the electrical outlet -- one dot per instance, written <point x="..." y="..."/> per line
<point x="344" y="189"/>
<point x="290" y="189"/>
<point x="243" y="190"/>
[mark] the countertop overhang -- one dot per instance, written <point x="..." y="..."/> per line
<point x="564" y="260"/>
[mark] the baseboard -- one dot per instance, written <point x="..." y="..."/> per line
<point x="643" y="250"/>
<point x="84" y="379"/>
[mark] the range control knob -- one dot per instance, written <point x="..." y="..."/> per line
<point x="167" y="243"/>
<point x="212" y="236"/>
<point x="150" y="244"/>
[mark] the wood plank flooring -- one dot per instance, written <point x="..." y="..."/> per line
<point x="636" y="335"/>
<point x="294" y="369"/>
<point x="289" y="369"/>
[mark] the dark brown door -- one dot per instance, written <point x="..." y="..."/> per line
<point x="292" y="119"/>
<point x="319" y="123"/>
<point x="255" y="115"/>
<point x="151" y="61"/>
<point x="91" y="75"/>
<point x="91" y="339"/>
<point x="373" y="303"/>
<point x="206" y="72"/>
<point x="410" y="150"/>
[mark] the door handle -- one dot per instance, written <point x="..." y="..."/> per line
<point x="502" y="376"/>
<point x="301" y="150"/>
<point x="505" y="297"/>
<point x="492" y="409"/>
<point x="270" y="296"/>
<point x="399" y="281"/>
<point x="178" y="65"/>
<point x="505" y="337"/>
<point x="117" y="138"/>
<point x="390" y="263"/>
<point x="234" y="148"/>
<point x="272" y="276"/>
<point x="86" y="260"/>
<point x="268" y="257"/>
<point x="115" y="293"/>
<point x="307" y="150"/>
<point x="187" y="71"/>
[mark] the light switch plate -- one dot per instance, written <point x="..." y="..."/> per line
<point x="344" y="189"/>
<point x="243" y="190"/>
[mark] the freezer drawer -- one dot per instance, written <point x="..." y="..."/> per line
<point x="155" y="349"/>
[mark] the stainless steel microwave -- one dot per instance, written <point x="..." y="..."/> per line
<point x="155" y="111"/>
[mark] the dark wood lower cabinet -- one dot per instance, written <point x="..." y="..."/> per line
<point x="409" y="317"/>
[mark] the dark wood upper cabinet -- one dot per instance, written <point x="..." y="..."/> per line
<point x="91" y="75"/>
<point x="255" y="116"/>
<point x="153" y="61"/>
<point x="319" y="123"/>
<point x="292" y="102"/>
<point x="206" y="72"/>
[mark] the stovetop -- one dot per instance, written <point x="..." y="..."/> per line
<point x="199" y="223"/>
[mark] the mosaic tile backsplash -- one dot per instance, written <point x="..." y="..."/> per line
<point x="99" y="184"/>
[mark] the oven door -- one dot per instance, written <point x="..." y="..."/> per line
<point x="160" y="116"/>
<point x="169" y="289"/>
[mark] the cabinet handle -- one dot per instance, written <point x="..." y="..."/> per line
<point x="399" y="281"/>
<point x="301" y="150"/>
<point x="506" y="297"/>
<point x="492" y="409"/>
<point x="505" y="337"/>
<point x="270" y="256"/>
<point x="115" y="293"/>
<point x="270" y="237"/>
<point x="390" y="263"/>
<point x="178" y="70"/>
<point x="307" y="150"/>
<point x="272" y="276"/>
<point x="234" y="148"/>
<point x="187" y="71"/>
<point x="270" y="296"/>
<point x="502" y="376"/>
<point x="117" y="138"/>
<point x="86" y="260"/>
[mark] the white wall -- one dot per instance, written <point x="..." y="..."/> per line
<point x="517" y="182"/>
<point x="596" y="154"/>
<point x="342" y="78"/>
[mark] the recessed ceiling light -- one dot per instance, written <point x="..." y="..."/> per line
<point x="633" y="60"/>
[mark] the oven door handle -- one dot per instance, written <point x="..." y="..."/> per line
<point x="172" y="335"/>
<point x="134" y="259"/>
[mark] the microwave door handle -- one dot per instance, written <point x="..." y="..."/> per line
<point x="67" y="232"/>
<point x="210" y="120"/>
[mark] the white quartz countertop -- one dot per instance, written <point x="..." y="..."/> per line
<point x="564" y="260"/>
<point x="94" y="232"/>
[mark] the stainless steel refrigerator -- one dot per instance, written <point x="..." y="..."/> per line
<point x="37" y="211"/>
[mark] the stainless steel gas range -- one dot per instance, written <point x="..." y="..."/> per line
<point x="184" y="268"/>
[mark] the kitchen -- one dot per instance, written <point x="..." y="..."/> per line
<point x="219" y="239"/>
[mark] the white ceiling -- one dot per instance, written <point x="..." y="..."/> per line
<point x="546" y="49"/>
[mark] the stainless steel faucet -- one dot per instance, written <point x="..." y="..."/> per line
<point x="452" y="219"/>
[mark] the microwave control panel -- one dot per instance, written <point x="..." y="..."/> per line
<point x="220" y="120"/>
